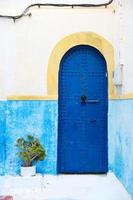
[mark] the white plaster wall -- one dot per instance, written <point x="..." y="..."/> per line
<point x="127" y="46"/>
<point x="123" y="41"/>
<point x="28" y="43"/>
<point x="25" y="46"/>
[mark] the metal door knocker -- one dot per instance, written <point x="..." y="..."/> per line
<point x="83" y="99"/>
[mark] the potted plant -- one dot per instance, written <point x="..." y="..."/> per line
<point x="30" y="152"/>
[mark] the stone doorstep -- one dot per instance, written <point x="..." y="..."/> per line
<point x="6" y="198"/>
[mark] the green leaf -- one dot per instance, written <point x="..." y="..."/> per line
<point x="30" y="150"/>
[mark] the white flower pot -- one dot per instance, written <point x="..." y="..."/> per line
<point x="28" y="171"/>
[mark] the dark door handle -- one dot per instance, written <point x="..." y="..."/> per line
<point x="92" y="101"/>
<point x="84" y="100"/>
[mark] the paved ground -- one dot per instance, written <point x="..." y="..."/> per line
<point x="64" y="187"/>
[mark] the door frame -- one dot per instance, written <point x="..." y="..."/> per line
<point x="80" y="38"/>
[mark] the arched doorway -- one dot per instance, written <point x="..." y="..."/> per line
<point x="83" y="111"/>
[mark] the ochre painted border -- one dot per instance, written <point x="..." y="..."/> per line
<point x="122" y="97"/>
<point x="33" y="97"/>
<point x="86" y="38"/>
<point x="14" y="97"/>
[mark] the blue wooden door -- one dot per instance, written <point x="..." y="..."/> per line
<point x="83" y="111"/>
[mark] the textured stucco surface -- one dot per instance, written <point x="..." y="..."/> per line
<point x="121" y="141"/>
<point x="38" y="118"/>
<point x="2" y="133"/>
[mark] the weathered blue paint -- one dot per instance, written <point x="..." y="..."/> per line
<point x="83" y="111"/>
<point x="38" y="118"/>
<point x="19" y="118"/>
<point x="121" y="141"/>
<point x="2" y="134"/>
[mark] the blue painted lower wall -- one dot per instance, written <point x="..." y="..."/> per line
<point x="40" y="118"/>
<point x="2" y="136"/>
<point x="121" y="141"/>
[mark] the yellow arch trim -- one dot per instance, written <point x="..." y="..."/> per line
<point x="86" y="38"/>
